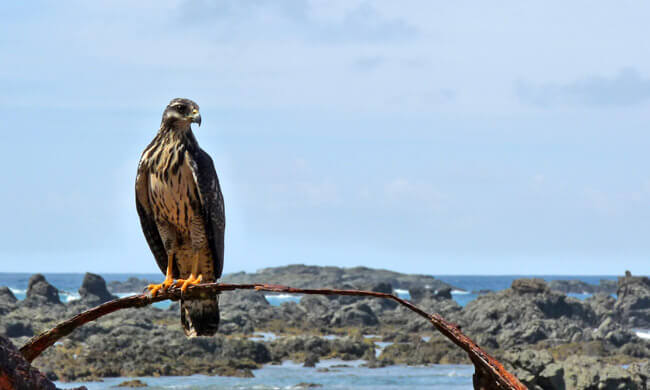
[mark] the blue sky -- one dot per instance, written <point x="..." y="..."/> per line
<point x="425" y="137"/>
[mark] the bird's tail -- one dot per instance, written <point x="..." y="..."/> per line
<point x="200" y="317"/>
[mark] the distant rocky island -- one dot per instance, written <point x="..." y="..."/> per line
<point x="549" y="340"/>
<point x="302" y="276"/>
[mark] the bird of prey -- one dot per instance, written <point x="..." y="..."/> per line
<point x="181" y="211"/>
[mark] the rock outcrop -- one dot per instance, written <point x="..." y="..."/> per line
<point x="539" y="370"/>
<point x="7" y="300"/>
<point x="633" y="301"/>
<point x="299" y="275"/>
<point x="526" y="313"/>
<point x="6" y="296"/>
<point x="40" y="292"/>
<point x="93" y="290"/>
<point x="131" y="285"/>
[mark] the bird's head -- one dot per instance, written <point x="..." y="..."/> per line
<point x="181" y="113"/>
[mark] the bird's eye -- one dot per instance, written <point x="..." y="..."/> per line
<point x="180" y="108"/>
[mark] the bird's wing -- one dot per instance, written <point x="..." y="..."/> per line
<point x="147" y="220"/>
<point x="212" y="205"/>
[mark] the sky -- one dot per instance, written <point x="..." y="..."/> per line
<point x="418" y="136"/>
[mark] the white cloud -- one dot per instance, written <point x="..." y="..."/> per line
<point x="626" y="88"/>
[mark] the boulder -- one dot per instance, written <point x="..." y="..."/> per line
<point x="382" y="287"/>
<point x="93" y="290"/>
<point x="437" y="350"/>
<point x="17" y="328"/>
<point x="40" y="292"/>
<point x="355" y="314"/>
<point x="419" y="294"/>
<point x="529" y="286"/>
<point x="305" y="348"/>
<point x="131" y="285"/>
<point x="132" y="383"/>
<point x="602" y="304"/>
<point x="6" y="296"/>
<point x="318" y="309"/>
<point x="7" y="300"/>
<point x="612" y="332"/>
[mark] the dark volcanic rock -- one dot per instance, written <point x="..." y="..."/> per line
<point x="131" y="285"/>
<point x="602" y="304"/>
<point x="527" y="313"/>
<point x="529" y="286"/>
<point x="418" y="294"/>
<point x="242" y="310"/>
<point x="355" y="314"/>
<point x="18" y="328"/>
<point x="382" y="287"/>
<point x="633" y="301"/>
<point x="132" y="383"/>
<point x="40" y="292"/>
<point x="318" y="309"/>
<point x="93" y="290"/>
<point x="612" y="332"/>
<point x="305" y="347"/>
<point x="538" y="370"/>
<point x="306" y="385"/>
<point x="6" y="296"/>
<point x="579" y="287"/>
<point x="418" y="352"/>
<point x="148" y="342"/>
<point x="305" y="276"/>
<point x="7" y="300"/>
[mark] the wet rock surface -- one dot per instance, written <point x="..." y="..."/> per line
<point x="132" y="383"/>
<point x="546" y="337"/>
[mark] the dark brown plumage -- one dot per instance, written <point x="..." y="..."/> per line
<point x="181" y="211"/>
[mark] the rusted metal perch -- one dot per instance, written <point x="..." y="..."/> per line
<point x="489" y="373"/>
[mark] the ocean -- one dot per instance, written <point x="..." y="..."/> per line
<point x="341" y="375"/>
<point x="69" y="283"/>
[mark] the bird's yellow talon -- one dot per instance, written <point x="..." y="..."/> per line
<point x="191" y="281"/>
<point x="154" y="288"/>
<point x="166" y="284"/>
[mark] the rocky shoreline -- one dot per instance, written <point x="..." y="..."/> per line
<point x="549" y="340"/>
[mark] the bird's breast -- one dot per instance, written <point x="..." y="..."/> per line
<point x="173" y="191"/>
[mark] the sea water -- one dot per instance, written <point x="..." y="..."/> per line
<point x="342" y="375"/>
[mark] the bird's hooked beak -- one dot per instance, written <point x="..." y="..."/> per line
<point x="196" y="117"/>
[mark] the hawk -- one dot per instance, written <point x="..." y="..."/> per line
<point x="181" y="211"/>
